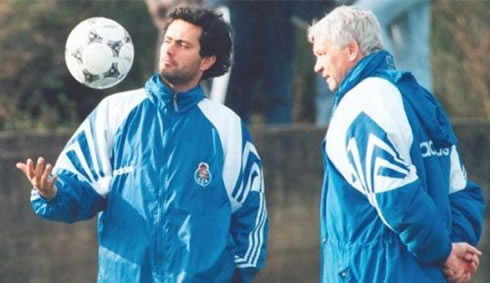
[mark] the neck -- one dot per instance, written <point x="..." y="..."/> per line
<point x="180" y="87"/>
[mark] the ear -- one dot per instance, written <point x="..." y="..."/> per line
<point x="207" y="62"/>
<point x="354" y="51"/>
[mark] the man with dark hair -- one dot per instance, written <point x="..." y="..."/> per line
<point x="175" y="179"/>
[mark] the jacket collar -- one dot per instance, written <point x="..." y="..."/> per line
<point x="368" y="66"/>
<point x="166" y="98"/>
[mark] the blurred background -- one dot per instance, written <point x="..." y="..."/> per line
<point x="38" y="92"/>
<point x="41" y="105"/>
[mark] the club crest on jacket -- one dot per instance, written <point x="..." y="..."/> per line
<point x="202" y="175"/>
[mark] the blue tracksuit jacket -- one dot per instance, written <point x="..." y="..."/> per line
<point x="395" y="192"/>
<point x="177" y="185"/>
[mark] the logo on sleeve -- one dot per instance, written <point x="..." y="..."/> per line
<point x="375" y="163"/>
<point x="202" y="175"/>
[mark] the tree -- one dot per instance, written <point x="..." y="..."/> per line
<point x="460" y="44"/>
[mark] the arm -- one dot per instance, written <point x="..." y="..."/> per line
<point x="249" y="232"/>
<point x="83" y="171"/>
<point x="81" y="176"/>
<point x="75" y="200"/>
<point x="467" y="204"/>
<point x="379" y="164"/>
<point x="249" y="226"/>
<point x="411" y="213"/>
<point x="243" y="181"/>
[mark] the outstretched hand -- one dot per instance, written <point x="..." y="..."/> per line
<point x="39" y="176"/>
<point x="461" y="263"/>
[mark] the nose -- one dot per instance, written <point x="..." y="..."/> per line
<point x="168" y="48"/>
<point x="318" y="66"/>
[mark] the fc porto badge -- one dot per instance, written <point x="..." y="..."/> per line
<point x="202" y="175"/>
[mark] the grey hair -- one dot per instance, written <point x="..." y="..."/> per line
<point x="345" y="24"/>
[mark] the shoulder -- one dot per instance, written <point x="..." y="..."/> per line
<point x="375" y="98"/>
<point x="115" y="108"/>
<point x="227" y="123"/>
<point x="375" y="91"/>
<point x="122" y="103"/>
<point x="218" y="114"/>
<point x="370" y="129"/>
<point x="374" y="108"/>
<point x="126" y="99"/>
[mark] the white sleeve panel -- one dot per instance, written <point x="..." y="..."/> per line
<point x="229" y="128"/>
<point x="369" y="138"/>
<point x="88" y="152"/>
<point x="457" y="174"/>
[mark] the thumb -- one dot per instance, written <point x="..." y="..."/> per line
<point x="22" y="167"/>
<point x="472" y="250"/>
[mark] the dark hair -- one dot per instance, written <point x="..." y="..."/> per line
<point x="215" y="37"/>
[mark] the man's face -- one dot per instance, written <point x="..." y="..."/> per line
<point x="180" y="62"/>
<point x="332" y="62"/>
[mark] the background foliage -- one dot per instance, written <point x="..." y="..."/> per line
<point x="460" y="56"/>
<point x="36" y="90"/>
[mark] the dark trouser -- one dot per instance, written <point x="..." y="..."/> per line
<point x="263" y="51"/>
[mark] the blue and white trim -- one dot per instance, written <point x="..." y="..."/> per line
<point x="88" y="153"/>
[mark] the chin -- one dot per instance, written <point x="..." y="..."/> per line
<point x="332" y="86"/>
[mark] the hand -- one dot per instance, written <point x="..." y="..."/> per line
<point x="461" y="263"/>
<point x="39" y="177"/>
<point x="473" y="260"/>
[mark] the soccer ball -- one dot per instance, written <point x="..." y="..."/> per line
<point x="99" y="52"/>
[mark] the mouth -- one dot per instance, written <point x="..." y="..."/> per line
<point x="167" y="62"/>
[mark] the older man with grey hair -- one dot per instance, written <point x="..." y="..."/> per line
<point x="396" y="203"/>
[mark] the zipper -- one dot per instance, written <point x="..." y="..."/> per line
<point x="165" y="192"/>
<point x="176" y="106"/>
<point x="161" y="235"/>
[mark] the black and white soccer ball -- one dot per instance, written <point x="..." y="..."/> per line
<point x="99" y="52"/>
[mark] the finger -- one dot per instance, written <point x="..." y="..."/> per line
<point x="458" y="276"/>
<point x="450" y="278"/>
<point x="39" y="166"/>
<point x="53" y="181"/>
<point x="45" y="178"/>
<point x="470" y="267"/>
<point x="38" y="171"/>
<point x="30" y="168"/>
<point x="473" y="267"/>
<point x="471" y="249"/>
<point x="472" y="259"/>
<point x="453" y="277"/>
<point x="476" y="260"/>
<point x="22" y="167"/>
<point x="448" y="273"/>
